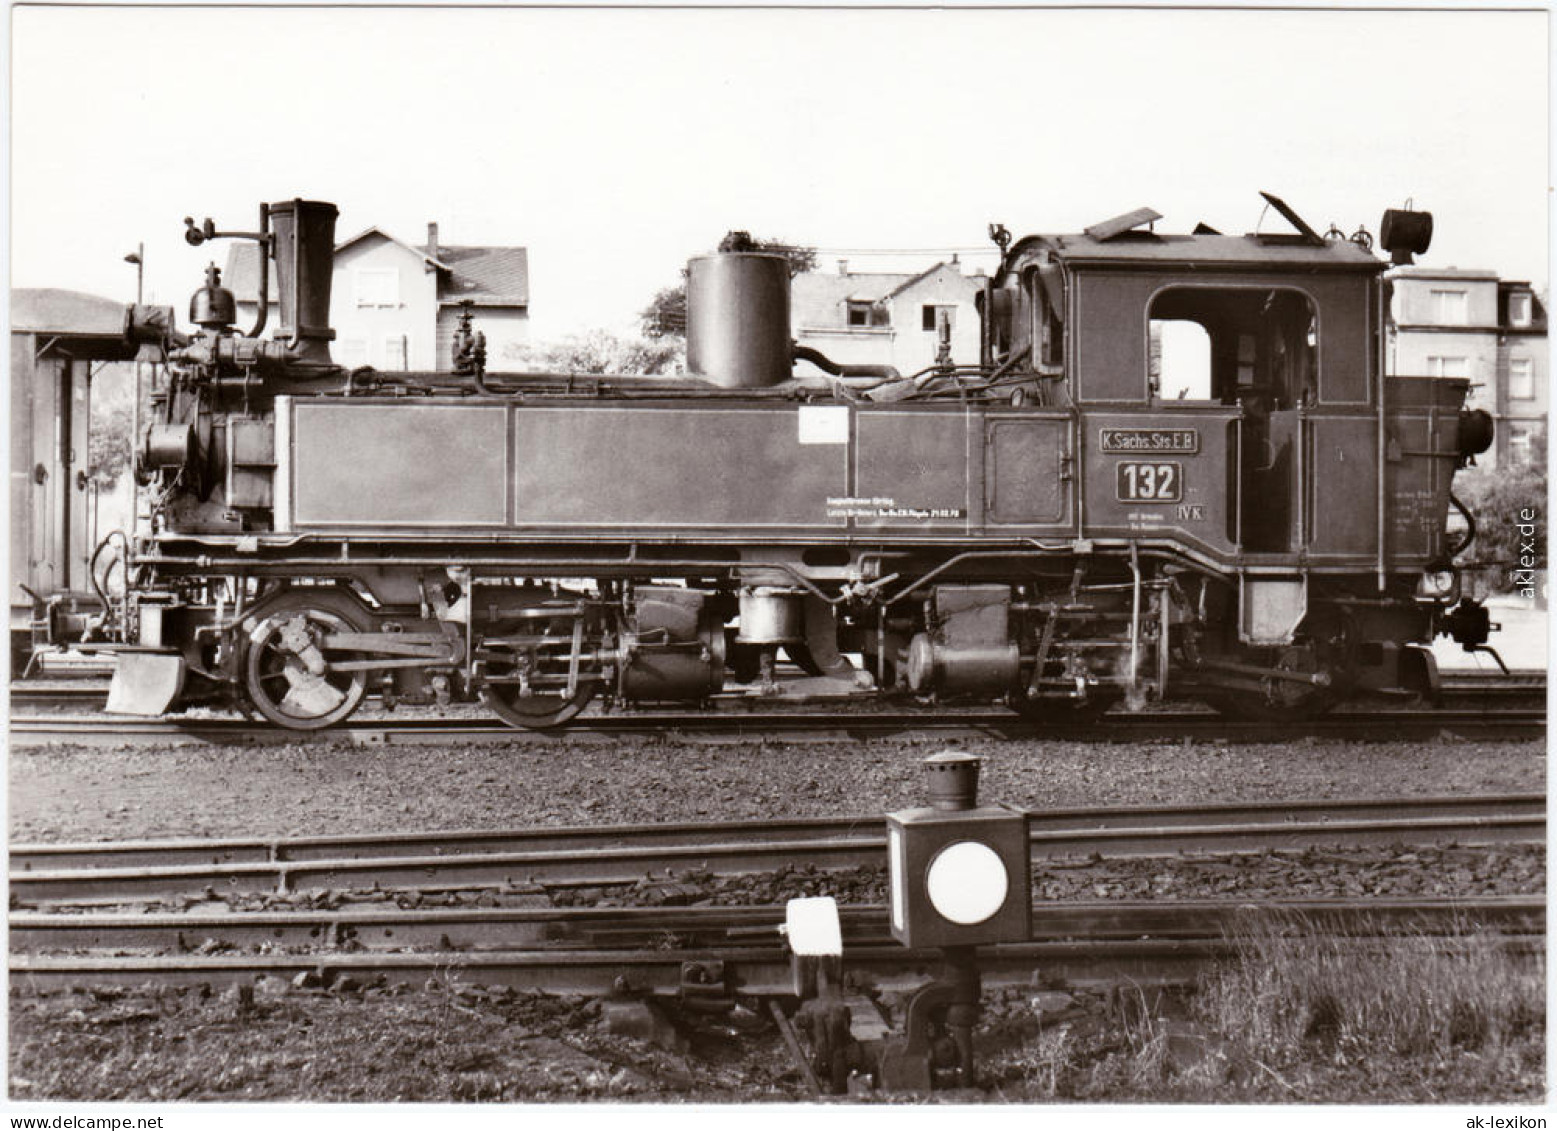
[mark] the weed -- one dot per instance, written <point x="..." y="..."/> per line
<point x="1294" y="995"/>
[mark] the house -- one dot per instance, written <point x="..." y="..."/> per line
<point x="1455" y="322"/>
<point x="879" y="318"/>
<point x="395" y="306"/>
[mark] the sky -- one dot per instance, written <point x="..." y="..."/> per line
<point x="615" y="144"/>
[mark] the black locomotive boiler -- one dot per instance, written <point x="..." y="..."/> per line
<point x="1074" y="520"/>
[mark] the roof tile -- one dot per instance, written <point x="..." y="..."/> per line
<point x="487" y="276"/>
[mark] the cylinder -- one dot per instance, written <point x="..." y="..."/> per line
<point x="684" y="669"/>
<point x="961" y="669"/>
<point x="772" y="616"/>
<point x="169" y="447"/>
<point x="304" y="250"/>
<point x="738" y="319"/>
<point x="661" y="675"/>
<point x="680" y="648"/>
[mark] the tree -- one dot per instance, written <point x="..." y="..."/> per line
<point x="1502" y="499"/>
<point x="108" y="434"/>
<point x="601" y="352"/>
<point x="666" y="314"/>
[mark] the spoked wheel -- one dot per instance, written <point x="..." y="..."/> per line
<point x="289" y="668"/>
<point x="526" y="671"/>
<point x="537" y="710"/>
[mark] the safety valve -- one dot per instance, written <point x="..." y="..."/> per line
<point x="959" y="871"/>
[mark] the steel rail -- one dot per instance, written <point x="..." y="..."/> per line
<point x="1460" y="690"/>
<point x="1396" y="724"/>
<point x="757" y="970"/>
<point x="385" y="928"/>
<point x="744" y="852"/>
<point x="870" y="830"/>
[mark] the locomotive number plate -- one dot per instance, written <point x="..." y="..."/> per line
<point x="1149" y="482"/>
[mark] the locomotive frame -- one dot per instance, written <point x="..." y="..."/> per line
<point x="1042" y="528"/>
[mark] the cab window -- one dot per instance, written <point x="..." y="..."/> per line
<point x="1256" y="346"/>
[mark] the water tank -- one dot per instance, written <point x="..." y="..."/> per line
<point x="738" y="319"/>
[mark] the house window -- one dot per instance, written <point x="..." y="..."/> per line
<point x="1450" y="309"/>
<point x="1519" y="443"/>
<point x="1519" y="309"/>
<point x="863" y="313"/>
<point x="377" y="286"/>
<point x="351" y="352"/>
<point x="1521" y="378"/>
<point x="930" y="316"/>
<point x="395" y="350"/>
<point x="1447" y="366"/>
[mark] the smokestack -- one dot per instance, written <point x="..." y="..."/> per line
<point x="304" y="251"/>
<point x="432" y="240"/>
<point x="843" y="267"/>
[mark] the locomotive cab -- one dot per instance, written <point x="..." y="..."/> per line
<point x="1231" y="403"/>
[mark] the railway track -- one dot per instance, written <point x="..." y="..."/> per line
<point x="534" y="860"/>
<point x="716" y="950"/>
<point x="371" y="926"/>
<point x="1489" y="721"/>
<point x="1462" y="690"/>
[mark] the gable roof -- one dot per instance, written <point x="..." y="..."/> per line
<point x="241" y="275"/>
<point x="826" y="288"/>
<point x="486" y="276"/>
<point x="919" y="278"/>
<point x="439" y="263"/>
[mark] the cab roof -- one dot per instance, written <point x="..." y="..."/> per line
<point x="1259" y="251"/>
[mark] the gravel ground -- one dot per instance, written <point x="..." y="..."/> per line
<point x="462" y="1043"/>
<point x="65" y="793"/>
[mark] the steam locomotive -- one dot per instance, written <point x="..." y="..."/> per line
<point x="1050" y="527"/>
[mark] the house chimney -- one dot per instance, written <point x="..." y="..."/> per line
<point x="432" y="240"/>
<point x="843" y="267"/>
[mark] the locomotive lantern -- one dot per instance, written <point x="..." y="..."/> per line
<point x="959" y="871"/>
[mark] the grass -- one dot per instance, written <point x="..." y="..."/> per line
<point x="1302" y="1016"/>
<point x="1294" y="1000"/>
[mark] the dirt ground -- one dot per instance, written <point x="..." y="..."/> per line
<point x="453" y="1043"/>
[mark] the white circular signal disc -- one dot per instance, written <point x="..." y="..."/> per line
<point x="967" y="882"/>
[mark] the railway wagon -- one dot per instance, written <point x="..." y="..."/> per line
<point x="60" y="340"/>
<point x="1177" y="469"/>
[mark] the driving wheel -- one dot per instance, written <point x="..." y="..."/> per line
<point x="526" y="671"/>
<point x="291" y="666"/>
